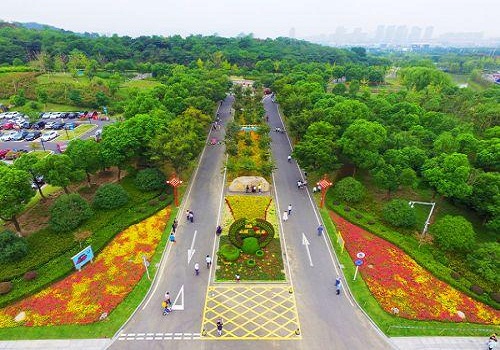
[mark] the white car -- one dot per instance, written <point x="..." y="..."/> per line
<point x="46" y="115"/>
<point x="8" y="136"/>
<point x="49" y="135"/>
<point x="55" y="115"/>
<point x="49" y="125"/>
<point x="3" y="115"/>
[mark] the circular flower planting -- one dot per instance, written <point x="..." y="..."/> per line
<point x="260" y="229"/>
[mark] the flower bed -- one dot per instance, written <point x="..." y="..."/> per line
<point x="397" y="281"/>
<point x="83" y="297"/>
<point x="249" y="207"/>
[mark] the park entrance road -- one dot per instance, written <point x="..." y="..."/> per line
<point x="327" y="321"/>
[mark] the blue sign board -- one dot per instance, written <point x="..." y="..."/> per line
<point x="83" y="257"/>
<point x="358" y="262"/>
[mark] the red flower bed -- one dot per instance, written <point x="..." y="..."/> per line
<point x="397" y="281"/>
<point x="83" y="297"/>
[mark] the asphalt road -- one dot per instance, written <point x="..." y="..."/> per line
<point x="327" y="321"/>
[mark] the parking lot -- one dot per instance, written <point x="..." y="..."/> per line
<point x="51" y="131"/>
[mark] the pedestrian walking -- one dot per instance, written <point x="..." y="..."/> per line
<point x="197" y="269"/>
<point x="320" y="230"/>
<point x="219" y="327"/>
<point x="166" y="307"/>
<point x="289" y="158"/>
<point x="299" y="184"/>
<point x="338" y="285"/>
<point x="172" y="237"/>
<point x="218" y="230"/>
<point x="191" y="216"/>
<point x="285" y="216"/>
<point x="289" y="209"/>
<point x="174" y="225"/>
<point x="188" y="215"/>
<point x="492" y="342"/>
<point x="237" y="277"/>
<point x="167" y="297"/>
<point x="208" y="260"/>
<point x="259" y="188"/>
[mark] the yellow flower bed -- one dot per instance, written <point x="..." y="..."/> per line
<point x="250" y="207"/>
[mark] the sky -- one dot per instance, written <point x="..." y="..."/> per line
<point x="262" y="18"/>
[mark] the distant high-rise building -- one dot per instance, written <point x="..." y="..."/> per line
<point x="401" y="35"/>
<point x="389" y="34"/>
<point x="379" y="34"/>
<point x="356" y="36"/>
<point x="415" y="35"/>
<point x="291" y="33"/>
<point x="428" y="33"/>
<point x="340" y="35"/>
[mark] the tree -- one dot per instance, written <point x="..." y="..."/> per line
<point x="349" y="190"/>
<point x="85" y="155"/>
<point x="385" y="177"/>
<point x="42" y="95"/>
<point x="59" y="170"/>
<point x="485" y="197"/>
<point x="91" y="69"/>
<point x="101" y="99"/>
<point x="75" y="97"/>
<point x="449" y="175"/>
<point x="68" y="212"/>
<point x="453" y="233"/>
<point x="12" y="247"/>
<point x="421" y="77"/>
<point x="150" y="179"/>
<point x="316" y="151"/>
<point x="362" y="141"/>
<point x="398" y="213"/>
<point x="110" y="196"/>
<point x="28" y="162"/>
<point x="15" y="193"/>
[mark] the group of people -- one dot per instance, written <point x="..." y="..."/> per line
<point x="280" y="130"/>
<point x="301" y="184"/>
<point x="190" y="216"/>
<point x="208" y="260"/>
<point x="253" y="188"/>
<point x="492" y="341"/>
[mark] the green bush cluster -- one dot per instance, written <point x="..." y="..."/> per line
<point x="398" y="213"/>
<point x="12" y="247"/>
<point x="68" y="212"/>
<point x="349" y="190"/>
<point x="236" y="237"/>
<point x="110" y="196"/>
<point x="150" y="179"/>
<point x="229" y="252"/>
<point x="250" y="245"/>
<point x="453" y="233"/>
<point x="234" y="232"/>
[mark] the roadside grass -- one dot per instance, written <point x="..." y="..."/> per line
<point x="108" y="327"/>
<point x="389" y="324"/>
<point x="81" y="129"/>
<point x="141" y="84"/>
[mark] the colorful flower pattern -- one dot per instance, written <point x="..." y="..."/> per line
<point x="397" y="281"/>
<point x="84" y="296"/>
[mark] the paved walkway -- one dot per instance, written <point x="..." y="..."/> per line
<point x="64" y="344"/>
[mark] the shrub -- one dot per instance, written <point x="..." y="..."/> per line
<point x="455" y="275"/>
<point x="495" y="296"/>
<point x="229" y="252"/>
<point x="234" y="232"/>
<point x="349" y="190"/>
<point x="453" y="233"/>
<point x="150" y="179"/>
<point x="398" y="213"/>
<point x="259" y="253"/>
<point x="110" y="196"/>
<point x="250" y="245"/>
<point x="264" y="240"/>
<point x="30" y="275"/>
<point x="68" y="212"/>
<point x="485" y="261"/>
<point x="251" y="263"/>
<point x="476" y="289"/>
<point x="5" y="287"/>
<point x="12" y="247"/>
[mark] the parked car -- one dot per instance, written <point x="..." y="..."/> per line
<point x="70" y="126"/>
<point x="2" y="115"/>
<point x="49" y="135"/>
<point x="48" y="125"/>
<point x="7" y="136"/>
<point x="73" y="115"/>
<point x="20" y="135"/>
<point x="46" y="115"/>
<point x="57" y="125"/>
<point x="14" y="154"/>
<point x="8" y="125"/>
<point x="39" y="125"/>
<point x="55" y="115"/>
<point x="3" y="152"/>
<point x="26" y="125"/>
<point x="33" y="135"/>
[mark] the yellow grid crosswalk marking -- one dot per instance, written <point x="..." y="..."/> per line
<point x="251" y="312"/>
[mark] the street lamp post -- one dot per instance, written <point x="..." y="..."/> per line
<point x="428" y="221"/>
<point x="43" y="144"/>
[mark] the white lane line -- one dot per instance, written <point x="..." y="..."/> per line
<point x="177" y="338"/>
<point x="141" y="334"/>
<point x="150" y="334"/>
<point x="158" y="338"/>
<point x="139" y="338"/>
<point x="149" y="338"/>
<point x="159" y="334"/>
<point x="168" y="334"/>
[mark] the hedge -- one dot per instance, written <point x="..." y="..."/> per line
<point x="229" y="252"/>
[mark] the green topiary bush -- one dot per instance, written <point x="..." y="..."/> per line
<point x="234" y="232"/>
<point x="110" y="196"/>
<point x="398" y="213"/>
<point x="12" y="247"/>
<point x="251" y="263"/>
<point x="150" y="179"/>
<point x="259" y="253"/>
<point x="349" y="190"/>
<point x="68" y="212"/>
<point x="250" y="245"/>
<point x="453" y="233"/>
<point x="229" y="252"/>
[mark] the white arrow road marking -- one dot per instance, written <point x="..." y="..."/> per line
<point x="181" y="295"/>
<point x="192" y="250"/>
<point x="306" y="243"/>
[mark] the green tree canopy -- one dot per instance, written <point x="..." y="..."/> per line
<point x="453" y="233"/>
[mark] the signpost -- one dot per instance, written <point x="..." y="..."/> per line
<point x="358" y="262"/>
<point x="82" y="258"/>
<point x="175" y="182"/>
<point x="324" y="184"/>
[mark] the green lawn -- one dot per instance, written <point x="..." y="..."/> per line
<point x="76" y="133"/>
<point x="141" y="84"/>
